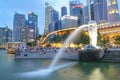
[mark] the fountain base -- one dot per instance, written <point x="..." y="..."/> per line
<point x="91" y="55"/>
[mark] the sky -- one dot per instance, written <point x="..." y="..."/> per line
<point x="9" y="7"/>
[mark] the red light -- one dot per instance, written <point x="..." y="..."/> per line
<point x="74" y="6"/>
<point x="77" y="6"/>
<point x="80" y="6"/>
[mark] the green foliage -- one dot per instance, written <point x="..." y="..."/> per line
<point x="65" y="36"/>
<point x="102" y="40"/>
<point x="81" y="37"/>
<point x="56" y="39"/>
<point x="117" y="40"/>
<point x="38" y="37"/>
<point x="99" y="39"/>
<point x="31" y="44"/>
<point x="59" y="38"/>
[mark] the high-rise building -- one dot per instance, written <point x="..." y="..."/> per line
<point x="29" y="32"/>
<point x="76" y="9"/>
<point x="86" y="13"/>
<point x="69" y="21"/>
<point x="18" y="25"/>
<point x="33" y="18"/>
<point x="48" y="9"/>
<point x="63" y="11"/>
<point x="54" y="19"/>
<point x="5" y="35"/>
<point x="113" y="11"/>
<point x="100" y="11"/>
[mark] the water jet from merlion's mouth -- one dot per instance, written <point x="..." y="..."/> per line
<point x="92" y="28"/>
<point x="59" y="54"/>
<point x="52" y="67"/>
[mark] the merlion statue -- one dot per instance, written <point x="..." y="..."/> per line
<point x="92" y="29"/>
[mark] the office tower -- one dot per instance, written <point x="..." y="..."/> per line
<point x="48" y="9"/>
<point x="100" y="11"/>
<point x="33" y="18"/>
<point x="5" y="35"/>
<point x="76" y="9"/>
<point x="54" y="19"/>
<point x="69" y="21"/>
<point x="113" y="12"/>
<point x="18" y="27"/>
<point x="63" y="11"/>
<point x="86" y="13"/>
<point x="29" y="31"/>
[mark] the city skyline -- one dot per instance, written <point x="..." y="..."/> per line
<point x="8" y="8"/>
<point x="7" y="14"/>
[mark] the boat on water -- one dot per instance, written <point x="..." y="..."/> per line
<point x="11" y="47"/>
<point x="11" y="51"/>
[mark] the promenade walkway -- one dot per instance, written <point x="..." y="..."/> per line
<point x="69" y="53"/>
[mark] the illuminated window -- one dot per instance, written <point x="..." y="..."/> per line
<point x="116" y="11"/>
<point x="109" y="4"/>
<point x="114" y="2"/>
<point x="113" y="11"/>
<point x="110" y="12"/>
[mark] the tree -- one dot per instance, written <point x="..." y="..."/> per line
<point x="102" y="40"/>
<point x="81" y="37"/>
<point x="56" y="38"/>
<point x="31" y="44"/>
<point x="99" y="39"/>
<point x="117" y="40"/>
<point x="38" y="37"/>
<point x="64" y="36"/>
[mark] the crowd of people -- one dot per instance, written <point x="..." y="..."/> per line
<point x="44" y="50"/>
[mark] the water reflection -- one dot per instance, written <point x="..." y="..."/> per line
<point x="91" y="71"/>
<point x="80" y="71"/>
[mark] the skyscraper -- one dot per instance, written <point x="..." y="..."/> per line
<point x="54" y="19"/>
<point x="69" y="21"/>
<point x="5" y="35"/>
<point x="113" y="12"/>
<point x="48" y="9"/>
<point x="76" y="9"/>
<point x="18" y="25"/>
<point x="33" y="18"/>
<point x="100" y="11"/>
<point x="86" y="13"/>
<point x="63" y="11"/>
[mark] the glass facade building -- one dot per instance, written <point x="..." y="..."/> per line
<point x="69" y="21"/>
<point x="18" y="25"/>
<point x="48" y="9"/>
<point x="86" y="13"/>
<point x="100" y="11"/>
<point x="76" y="9"/>
<point x="63" y="11"/>
<point x="54" y="20"/>
<point x="5" y="35"/>
<point x="33" y="19"/>
<point x="113" y="11"/>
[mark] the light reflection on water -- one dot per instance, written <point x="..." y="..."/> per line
<point x="80" y="71"/>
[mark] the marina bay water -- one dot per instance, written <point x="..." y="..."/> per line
<point x="45" y="71"/>
<point x="60" y="51"/>
<point x="52" y="67"/>
<point x="9" y="66"/>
